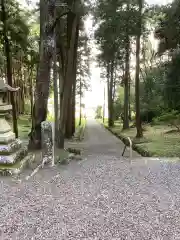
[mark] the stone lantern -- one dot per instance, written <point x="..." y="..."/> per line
<point x="11" y="149"/>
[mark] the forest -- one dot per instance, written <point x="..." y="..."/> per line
<point x="139" y="59"/>
<point x="46" y="51"/>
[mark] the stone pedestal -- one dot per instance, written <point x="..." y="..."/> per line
<point x="47" y="142"/>
<point x="11" y="149"/>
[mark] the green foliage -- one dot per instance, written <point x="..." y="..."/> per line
<point x="118" y="103"/>
<point x="98" y="112"/>
<point x="50" y="117"/>
<point x="17" y="27"/>
<point x="79" y="133"/>
<point x="156" y="141"/>
<point x="172" y="84"/>
<point x="172" y="118"/>
<point x="24" y="126"/>
<point x="27" y="107"/>
<point x="153" y="89"/>
<point x="117" y="28"/>
<point x="118" y="109"/>
<point x="115" y="19"/>
<point x="160" y="92"/>
<point x="23" y="35"/>
<point x="168" y="30"/>
<point x="160" y="89"/>
<point x="147" y="116"/>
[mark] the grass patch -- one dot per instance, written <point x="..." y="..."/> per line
<point x="158" y="140"/>
<point x="61" y="155"/>
<point x="64" y="156"/>
<point x="24" y="126"/>
<point x="79" y="134"/>
<point x="105" y="123"/>
<point x="83" y="122"/>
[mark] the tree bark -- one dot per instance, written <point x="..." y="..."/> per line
<point x="70" y="123"/>
<point x="130" y="118"/>
<point x="80" y="103"/>
<point x="9" y="65"/>
<point x="72" y="21"/>
<point x="104" y="105"/>
<point x="68" y="130"/>
<point x="31" y="90"/>
<point x="139" y="133"/>
<point x="61" y="87"/>
<point x="73" y="109"/>
<point x="30" y="81"/>
<point x="111" y="112"/>
<point x="108" y="88"/>
<point x="126" y="77"/>
<point x="55" y="85"/>
<point x="43" y="74"/>
<point x="73" y="126"/>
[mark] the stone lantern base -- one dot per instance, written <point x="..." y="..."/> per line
<point x="11" y="149"/>
<point x="12" y="152"/>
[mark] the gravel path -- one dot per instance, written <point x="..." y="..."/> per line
<point x="99" y="141"/>
<point x="102" y="197"/>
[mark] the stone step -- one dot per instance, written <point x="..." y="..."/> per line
<point x="10" y="148"/>
<point x="15" y="157"/>
<point x="16" y="169"/>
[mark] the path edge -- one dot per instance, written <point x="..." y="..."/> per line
<point x="135" y="147"/>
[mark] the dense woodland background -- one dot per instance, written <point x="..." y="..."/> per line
<point x="46" y="51"/>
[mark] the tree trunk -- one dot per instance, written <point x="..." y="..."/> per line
<point x="61" y="87"/>
<point x="130" y="118"/>
<point x="68" y="131"/>
<point x="104" y="104"/>
<point x="23" y="92"/>
<point x="31" y="90"/>
<point x="55" y="86"/>
<point x="73" y="123"/>
<point x="126" y="77"/>
<point x="139" y="133"/>
<point x="70" y="123"/>
<point x="43" y="74"/>
<point x="108" y="88"/>
<point x="111" y="112"/>
<point x="9" y="65"/>
<point x="19" y="103"/>
<point x="30" y="81"/>
<point x="80" y="103"/>
<point x="73" y="127"/>
<point x="72" y="21"/>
